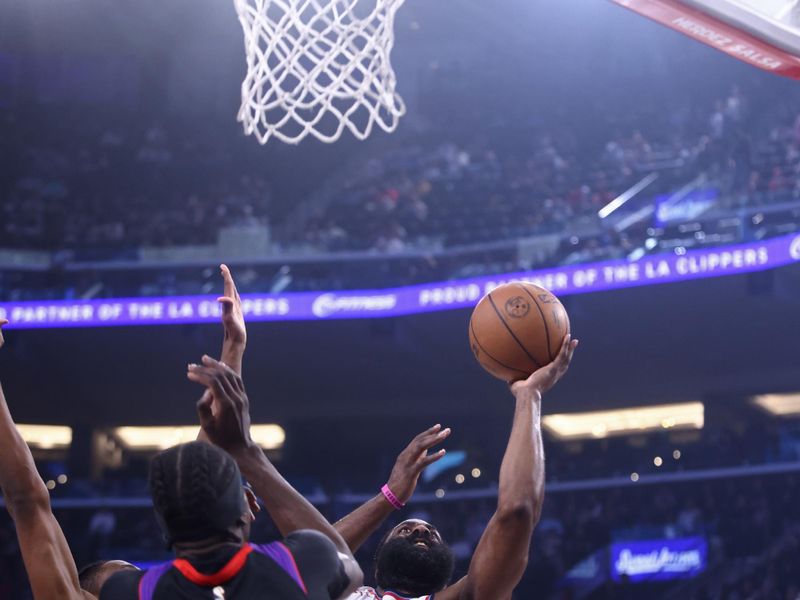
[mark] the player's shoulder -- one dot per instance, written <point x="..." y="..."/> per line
<point x="122" y="585"/>
<point x="302" y="540"/>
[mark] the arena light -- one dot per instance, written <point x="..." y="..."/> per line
<point x="268" y="436"/>
<point x="46" y="437"/>
<point x="623" y="198"/>
<point x="626" y="421"/>
<point x="779" y="405"/>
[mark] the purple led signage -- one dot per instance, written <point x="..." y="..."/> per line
<point x="431" y="297"/>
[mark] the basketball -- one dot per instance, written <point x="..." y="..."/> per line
<point x="516" y="329"/>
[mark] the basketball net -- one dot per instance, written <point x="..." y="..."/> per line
<point x="744" y="29"/>
<point x="318" y="67"/>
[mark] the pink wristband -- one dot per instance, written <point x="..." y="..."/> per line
<point x="389" y="495"/>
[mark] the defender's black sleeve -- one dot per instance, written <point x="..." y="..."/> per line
<point x="319" y="564"/>
<point x="122" y="585"/>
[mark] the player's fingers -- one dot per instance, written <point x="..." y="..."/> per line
<point x="567" y="359"/>
<point x="432" y="458"/>
<point x="437" y="438"/>
<point x="233" y="382"/>
<point x="226" y="379"/>
<point x="430" y="431"/>
<point x="212" y="363"/>
<point x="3" y="322"/>
<point x="416" y="445"/>
<point x="238" y="381"/>
<point x="229" y="387"/>
<point x="230" y="284"/>
<point x="227" y="278"/>
<point x="565" y="343"/>
<point x="204" y="411"/>
<point x="199" y="374"/>
<point x="227" y="303"/>
<point x="563" y="353"/>
<point x="572" y="345"/>
<point x="210" y="378"/>
<point x="197" y="371"/>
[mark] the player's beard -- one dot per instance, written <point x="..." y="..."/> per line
<point x="405" y="568"/>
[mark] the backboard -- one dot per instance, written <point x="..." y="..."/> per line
<point x="763" y="33"/>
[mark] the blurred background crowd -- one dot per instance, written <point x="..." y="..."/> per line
<point x="124" y="174"/>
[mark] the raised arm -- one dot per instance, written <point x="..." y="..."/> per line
<point x="234" y="341"/>
<point x="229" y="428"/>
<point x="48" y="560"/>
<point x="356" y="527"/>
<point x="502" y="553"/>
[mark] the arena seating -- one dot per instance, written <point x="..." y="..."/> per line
<point x="411" y="213"/>
<point x="750" y="521"/>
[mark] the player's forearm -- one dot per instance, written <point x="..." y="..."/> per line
<point x="233" y="354"/>
<point x="288" y="508"/>
<point x="521" y="487"/>
<point x="356" y="527"/>
<point x="19" y="479"/>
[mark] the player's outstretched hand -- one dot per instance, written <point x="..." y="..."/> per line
<point x="542" y="380"/>
<point x="232" y="314"/>
<point x="413" y="460"/>
<point x="2" y="323"/>
<point x="228" y="425"/>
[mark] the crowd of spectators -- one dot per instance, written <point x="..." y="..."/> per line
<point x="750" y="525"/>
<point x="102" y="190"/>
<point x="480" y="191"/>
<point x="88" y="181"/>
<point x="749" y="520"/>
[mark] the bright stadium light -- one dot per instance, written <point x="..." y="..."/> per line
<point x="620" y="200"/>
<point x="626" y="421"/>
<point x="46" y="437"/>
<point x="779" y="405"/>
<point x="269" y="436"/>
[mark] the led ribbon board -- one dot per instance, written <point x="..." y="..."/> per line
<point x="417" y="299"/>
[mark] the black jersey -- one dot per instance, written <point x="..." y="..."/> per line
<point x="304" y="566"/>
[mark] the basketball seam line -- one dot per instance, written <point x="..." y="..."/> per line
<point x="544" y="320"/>
<point x="511" y="333"/>
<point x="477" y="341"/>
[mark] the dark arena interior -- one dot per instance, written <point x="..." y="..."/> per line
<point x="646" y="175"/>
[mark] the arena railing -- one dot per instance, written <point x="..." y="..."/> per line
<point x="202" y="256"/>
<point x="555" y="487"/>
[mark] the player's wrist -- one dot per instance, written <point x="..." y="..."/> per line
<point x="237" y="344"/>
<point x="247" y="451"/>
<point x="392" y="498"/>
<point x="527" y="394"/>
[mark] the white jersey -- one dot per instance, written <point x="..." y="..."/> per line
<point x="368" y="593"/>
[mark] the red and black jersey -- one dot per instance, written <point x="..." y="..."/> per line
<point x="304" y="566"/>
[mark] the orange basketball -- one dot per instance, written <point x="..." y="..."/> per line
<point x="516" y="329"/>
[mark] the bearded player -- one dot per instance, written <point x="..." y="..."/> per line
<point x="412" y="560"/>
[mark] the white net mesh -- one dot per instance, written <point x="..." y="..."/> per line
<point x="316" y="67"/>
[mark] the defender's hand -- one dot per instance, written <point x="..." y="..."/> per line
<point x="413" y="460"/>
<point x="228" y="425"/>
<point x="232" y="315"/>
<point x="542" y="380"/>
